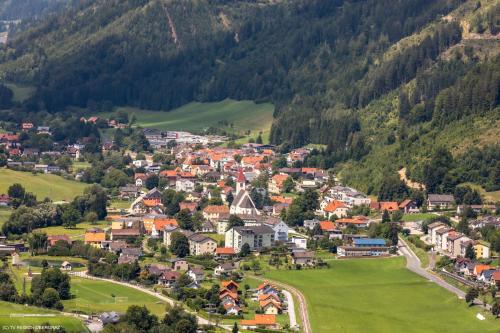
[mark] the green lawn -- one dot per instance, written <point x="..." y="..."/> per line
<point x="4" y="215"/>
<point x="19" y="315"/>
<point x="420" y="253"/>
<point x="489" y="196"/>
<point x="417" y="217"/>
<point x="43" y="185"/>
<point x="77" y="232"/>
<point x="245" y="115"/>
<point x="92" y="296"/>
<point x="382" y="295"/>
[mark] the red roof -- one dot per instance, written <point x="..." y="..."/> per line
<point x="160" y="224"/>
<point x="211" y="209"/>
<point x="327" y="225"/>
<point x="241" y="177"/>
<point x="260" y="319"/>
<point x="224" y="250"/>
<point x="334" y="205"/>
<point x="389" y="205"/>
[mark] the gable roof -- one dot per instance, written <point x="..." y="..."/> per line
<point x="327" y="225"/>
<point x="260" y="319"/>
<point x="334" y="205"/>
<point x="389" y="205"/>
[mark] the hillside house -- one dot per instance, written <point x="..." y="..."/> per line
<point x="440" y="201"/>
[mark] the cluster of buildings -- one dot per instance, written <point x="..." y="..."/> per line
<point x="447" y="240"/>
<point x="472" y="270"/>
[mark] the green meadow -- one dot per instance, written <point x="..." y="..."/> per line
<point x="380" y="295"/>
<point x="15" y="317"/>
<point x="195" y="116"/>
<point x="94" y="296"/>
<point x="42" y="185"/>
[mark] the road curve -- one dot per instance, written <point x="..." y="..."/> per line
<point x="304" y="315"/>
<point x="414" y="265"/>
<point x="201" y="320"/>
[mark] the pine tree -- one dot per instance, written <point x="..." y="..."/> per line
<point x="385" y="216"/>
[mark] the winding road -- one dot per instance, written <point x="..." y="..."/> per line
<point x="414" y="265"/>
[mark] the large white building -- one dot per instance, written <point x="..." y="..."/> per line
<point x="257" y="237"/>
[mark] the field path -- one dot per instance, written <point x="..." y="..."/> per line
<point x="201" y="320"/>
<point x="304" y="315"/>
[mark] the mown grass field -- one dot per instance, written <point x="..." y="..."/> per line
<point x="92" y="296"/>
<point x="77" y="232"/>
<point x="4" y="215"/>
<point x="42" y="185"/>
<point x="244" y="115"/>
<point x="17" y="316"/>
<point x="417" y="217"/>
<point x="380" y="295"/>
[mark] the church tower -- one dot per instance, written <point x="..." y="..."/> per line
<point x="240" y="181"/>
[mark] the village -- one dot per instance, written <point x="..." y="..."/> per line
<point x="203" y="225"/>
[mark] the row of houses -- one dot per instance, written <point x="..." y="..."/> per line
<point x="453" y="243"/>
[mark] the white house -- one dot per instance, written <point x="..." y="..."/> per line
<point x="299" y="241"/>
<point x="256" y="237"/>
<point x="185" y="185"/>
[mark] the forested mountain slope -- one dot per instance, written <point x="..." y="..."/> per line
<point x="371" y="79"/>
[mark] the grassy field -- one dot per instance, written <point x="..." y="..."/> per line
<point x="21" y="93"/>
<point x="42" y="185"/>
<point x="383" y="295"/>
<point x="417" y="217"/>
<point x="19" y="315"/>
<point x="93" y="296"/>
<point x="77" y="232"/>
<point x="489" y="196"/>
<point x="244" y="115"/>
<point x="4" y="215"/>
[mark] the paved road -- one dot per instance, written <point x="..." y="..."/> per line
<point x="201" y="320"/>
<point x="291" y="308"/>
<point x="304" y="315"/>
<point x="414" y="265"/>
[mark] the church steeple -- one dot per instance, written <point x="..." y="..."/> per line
<point x="240" y="181"/>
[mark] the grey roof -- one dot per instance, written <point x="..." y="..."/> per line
<point x="440" y="197"/>
<point x="256" y="229"/>
<point x="200" y="238"/>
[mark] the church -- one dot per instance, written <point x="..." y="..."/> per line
<point x="242" y="203"/>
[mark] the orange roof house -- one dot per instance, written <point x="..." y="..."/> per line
<point x="210" y="209"/>
<point x="168" y="173"/>
<point x="265" y="297"/>
<point x="265" y="303"/>
<point x="334" y="205"/>
<point x="259" y="320"/>
<point x="229" y="285"/>
<point x="390" y="206"/>
<point x="327" y="226"/>
<point x="282" y="199"/>
<point x="94" y="236"/>
<point x="359" y="221"/>
<point x="228" y="251"/>
<point x="479" y="268"/>
<point x="160" y="224"/>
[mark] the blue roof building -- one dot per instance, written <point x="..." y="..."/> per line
<point x="369" y="242"/>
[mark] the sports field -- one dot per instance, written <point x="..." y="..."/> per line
<point x="380" y="295"/>
<point x="244" y="115"/>
<point x="42" y="185"/>
<point x="13" y="317"/>
<point x="93" y="296"/>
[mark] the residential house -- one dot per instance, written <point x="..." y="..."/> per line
<point x="454" y="240"/>
<point x="214" y="212"/>
<point x="224" y="253"/>
<point x="128" y="233"/>
<point x="409" y="206"/>
<point x="140" y="179"/>
<point x="303" y="258"/>
<point x="184" y="185"/>
<point x="130" y="191"/>
<point x="390" y="206"/>
<point x="169" y="279"/>
<point x="257" y="237"/>
<point x="276" y="183"/>
<point x="225" y="268"/>
<point x="440" y="201"/>
<point x="270" y="306"/>
<point x="179" y="264"/>
<point x="299" y="241"/>
<point x="160" y="224"/>
<point x="200" y="244"/>
<point x="94" y="237"/>
<point x="53" y="239"/>
<point x="260" y="320"/>
<point x="310" y="224"/>
<point x="431" y="230"/>
<point x="196" y="274"/>
<point x="441" y="238"/>
<point x="335" y="208"/>
<point x="358" y="221"/>
<point x="482" y="249"/>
